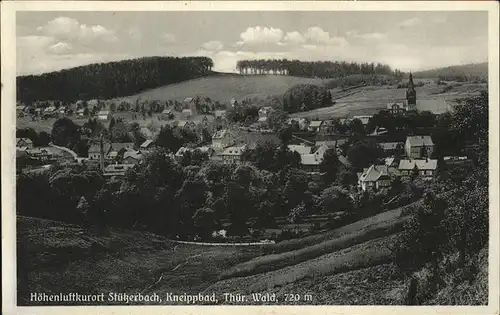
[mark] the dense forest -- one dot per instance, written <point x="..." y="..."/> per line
<point x="109" y="80"/>
<point x="322" y="69"/>
<point x="304" y="97"/>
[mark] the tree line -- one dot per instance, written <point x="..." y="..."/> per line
<point x="110" y="80"/>
<point x="322" y="69"/>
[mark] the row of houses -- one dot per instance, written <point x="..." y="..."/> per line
<point x="381" y="176"/>
<point x="326" y="126"/>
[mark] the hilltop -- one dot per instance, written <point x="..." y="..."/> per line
<point x="479" y="70"/>
<point x="223" y="87"/>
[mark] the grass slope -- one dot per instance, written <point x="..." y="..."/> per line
<point x="223" y="87"/>
<point x="55" y="257"/>
<point x="371" y="99"/>
<point x="474" y="69"/>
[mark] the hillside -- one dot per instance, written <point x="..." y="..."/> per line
<point x="143" y="262"/>
<point x="368" y="100"/>
<point x="470" y="70"/>
<point x="223" y="87"/>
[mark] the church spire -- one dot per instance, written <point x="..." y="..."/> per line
<point x="411" y="94"/>
<point x="411" y="85"/>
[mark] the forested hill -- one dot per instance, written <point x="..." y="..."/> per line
<point x="110" y="80"/>
<point x="462" y="72"/>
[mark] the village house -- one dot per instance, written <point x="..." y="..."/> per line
<point x="223" y="139"/>
<point x="300" y="148"/>
<point x="314" y="125"/>
<point x="24" y="143"/>
<point x="327" y="127"/>
<point x="397" y="108"/>
<point x="263" y="122"/>
<point x="39" y="154"/>
<point x="104" y="115"/>
<point x="146" y="132"/>
<point x="186" y="124"/>
<point x="311" y="161"/>
<point x="118" y="150"/>
<point x="220" y="114"/>
<point x="179" y="155"/>
<point x="424" y="167"/>
<point x="456" y="160"/>
<point x="187" y="113"/>
<point x="95" y="150"/>
<point x="147" y="145"/>
<point x="419" y="146"/>
<point x="265" y="111"/>
<point x="132" y="157"/>
<point x="392" y="148"/>
<point x="232" y="155"/>
<point x="62" y="110"/>
<point x="49" y="110"/>
<point x="301" y="123"/>
<point x="376" y="177"/>
<point x="21" y="110"/>
<point x="392" y="162"/>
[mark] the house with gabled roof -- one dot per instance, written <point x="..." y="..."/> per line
<point x="424" y="167"/>
<point x="232" y="155"/>
<point x="396" y="108"/>
<point x="104" y="115"/>
<point x="314" y="125"/>
<point x="147" y="145"/>
<point x="419" y="146"/>
<point x="24" y="143"/>
<point x="376" y="177"/>
<point x="222" y="139"/>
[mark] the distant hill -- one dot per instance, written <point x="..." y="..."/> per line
<point x="224" y="86"/>
<point x="477" y="70"/>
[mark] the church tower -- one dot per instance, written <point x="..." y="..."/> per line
<point x="411" y="94"/>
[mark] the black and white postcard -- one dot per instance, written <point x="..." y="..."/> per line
<point x="194" y="154"/>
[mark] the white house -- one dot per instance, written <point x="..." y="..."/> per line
<point x="232" y="155"/>
<point x="223" y="139"/>
<point x="419" y="146"/>
<point x="104" y="115"/>
<point x="315" y="125"/>
<point x="265" y="111"/>
<point x="397" y="108"/>
<point x="311" y="161"/>
<point x="147" y="145"/>
<point x="24" y="143"/>
<point x="301" y="122"/>
<point x="186" y="124"/>
<point x="187" y="113"/>
<point x="376" y="177"/>
<point x="300" y="149"/>
<point x="425" y="167"/>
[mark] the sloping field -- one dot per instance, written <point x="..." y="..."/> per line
<point x="290" y="258"/>
<point x="55" y="257"/>
<point x="368" y="254"/>
<point x="223" y="87"/>
<point x="369" y="100"/>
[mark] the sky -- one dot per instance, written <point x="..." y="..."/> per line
<point x="409" y="41"/>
